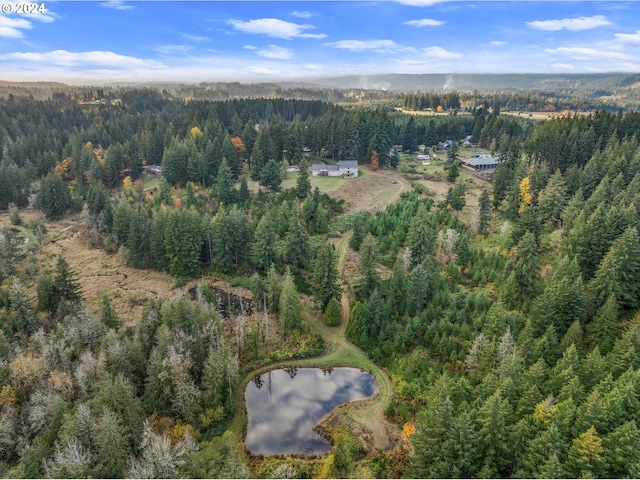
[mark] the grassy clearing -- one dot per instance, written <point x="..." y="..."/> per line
<point x="324" y="184"/>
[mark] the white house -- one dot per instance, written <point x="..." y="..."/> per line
<point x="344" y="169"/>
<point x="348" y="168"/>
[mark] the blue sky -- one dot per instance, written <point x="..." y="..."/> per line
<point x="105" y="41"/>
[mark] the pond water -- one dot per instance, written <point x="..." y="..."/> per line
<point x="284" y="405"/>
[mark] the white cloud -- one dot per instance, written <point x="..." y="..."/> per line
<point x="84" y="59"/>
<point x="301" y="14"/>
<point x="313" y="67"/>
<point x="440" y="53"/>
<point x="562" y="66"/>
<point x="584" y="53"/>
<point x="381" y="46"/>
<point x="274" y="27"/>
<point x="173" y="49"/>
<point x="420" y="3"/>
<point x="425" y="22"/>
<point x="275" y="52"/>
<point x="498" y="43"/>
<point x="12" y="27"/>
<point x="572" y="24"/>
<point x="250" y="47"/>
<point x="117" y="5"/>
<point x="195" y="38"/>
<point x="262" y="70"/>
<point x="629" y="37"/>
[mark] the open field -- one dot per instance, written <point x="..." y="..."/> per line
<point x="372" y="190"/>
<point x="128" y="288"/>
<point x="543" y="115"/>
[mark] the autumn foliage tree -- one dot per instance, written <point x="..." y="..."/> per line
<point x="374" y="160"/>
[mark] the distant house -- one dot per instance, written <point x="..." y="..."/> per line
<point x="293" y="169"/>
<point x="446" y="145"/>
<point x="152" y="169"/>
<point x="425" y="159"/>
<point x="480" y="163"/>
<point x="344" y="169"/>
<point x="422" y="148"/>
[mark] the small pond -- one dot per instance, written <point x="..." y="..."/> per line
<point x="284" y="405"/>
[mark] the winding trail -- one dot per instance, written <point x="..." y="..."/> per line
<point x="367" y="416"/>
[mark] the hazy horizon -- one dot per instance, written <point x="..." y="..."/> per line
<point x="103" y="42"/>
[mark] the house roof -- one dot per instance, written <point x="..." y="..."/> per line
<point x="323" y="166"/>
<point x="348" y="163"/>
<point x="484" y="160"/>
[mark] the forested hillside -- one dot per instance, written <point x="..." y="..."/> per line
<point x="510" y="330"/>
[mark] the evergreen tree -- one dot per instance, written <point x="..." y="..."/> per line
<point x="418" y="290"/>
<point x="298" y="251"/>
<point x="621" y="451"/>
<point x="397" y="291"/>
<point x="264" y="247"/>
<point x="493" y="419"/>
<point x="359" y="232"/>
<point x="21" y="312"/>
<point x="108" y="315"/>
<point x="455" y="197"/>
<point x="324" y="275"/>
<point x="367" y="267"/>
<point x="484" y="219"/>
<point x="53" y="197"/>
<point x="434" y="428"/>
<point x="231" y="154"/>
<point x="553" y="199"/>
<point x="48" y="297"/>
<point x="175" y="161"/>
<point x="271" y="175"/>
<point x="453" y="172"/>
<point x="619" y="271"/>
<point x="421" y="238"/>
<point x="527" y="268"/>
<point x="183" y="242"/>
<point x="273" y="289"/>
<point x="603" y="331"/>
<point x="230" y="235"/>
<point x="224" y="183"/>
<point x="357" y="325"/>
<point x="111" y="445"/>
<point x="303" y="184"/>
<point x="332" y="315"/>
<point x="66" y="283"/>
<point x="289" y="305"/>
<point x="243" y="192"/>
<point x="378" y="321"/>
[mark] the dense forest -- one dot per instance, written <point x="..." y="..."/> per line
<point x="511" y="335"/>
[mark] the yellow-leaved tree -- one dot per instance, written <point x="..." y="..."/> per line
<point x="525" y="194"/>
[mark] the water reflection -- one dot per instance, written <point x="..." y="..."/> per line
<point x="284" y="405"/>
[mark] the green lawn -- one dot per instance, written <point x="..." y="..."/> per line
<point x="324" y="184"/>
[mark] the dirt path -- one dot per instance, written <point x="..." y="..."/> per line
<point x="372" y="192"/>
